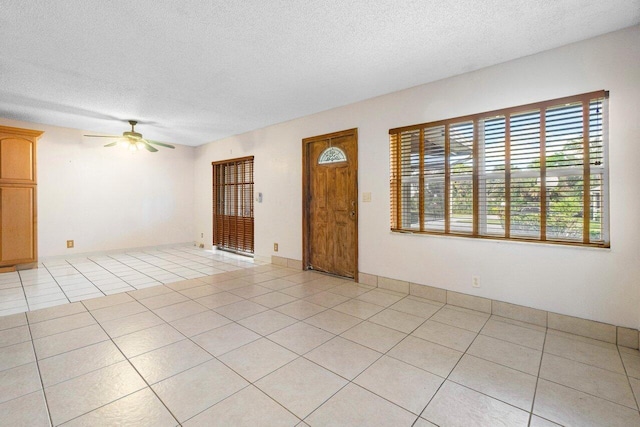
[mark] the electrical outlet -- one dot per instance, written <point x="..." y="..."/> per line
<point x="475" y="281"/>
<point x="69" y="244"/>
<point x="275" y="247"/>
<point x="201" y="235"/>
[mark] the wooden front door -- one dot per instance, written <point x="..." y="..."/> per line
<point x="330" y="203"/>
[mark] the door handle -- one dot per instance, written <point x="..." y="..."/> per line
<point x="352" y="214"/>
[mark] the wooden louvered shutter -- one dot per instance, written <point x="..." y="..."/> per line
<point x="233" y="205"/>
<point x="534" y="172"/>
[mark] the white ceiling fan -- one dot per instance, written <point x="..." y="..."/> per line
<point x="133" y="140"/>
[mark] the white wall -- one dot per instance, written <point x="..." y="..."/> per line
<point x="109" y="198"/>
<point x="598" y="284"/>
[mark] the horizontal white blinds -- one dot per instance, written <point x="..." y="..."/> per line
<point x="536" y="172"/>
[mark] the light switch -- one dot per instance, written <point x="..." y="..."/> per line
<point x="366" y="197"/>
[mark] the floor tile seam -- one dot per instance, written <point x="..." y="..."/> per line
<point x="476" y="332"/>
<point x="119" y="317"/>
<point x="12" y="311"/>
<point x="457" y="327"/>
<point x="363" y="345"/>
<point x="37" y="364"/>
<point x="442" y="345"/>
<point x="220" y="355"/>
<point x="609" y="371"/>
<point x="24" y="315"/>
<point x="14" y="303"/>
<point x="509" y="342"/>
<point x="351" y="382"/>
<point x="73" y="328"/>
<point x="30" y="322"/>
<point x="152" y="350"/>
<point x="591" y="394"/>
<point x="308" y="351"/>
<point x="69" y="351"/>
<point x="135" y="269"/>
<point x="151" y="384"/>
<point x="581" y="339"/>
<point x="164" y="306"/>
<point x="485" y="394"/>
<point x="390" y="401"/>
<point x="137" y="372"/>
<point x="218" y="358"/>
<point x="102" y="406"/>
<point x="183" y="257"/>
<point x="183" y="317"/>
<point x="327" y="399"/>
<point x="346" y="314"/>
<point x="33" y="303"/>
<point x="535" y="390"/>
<point x="357" y="298"/>
<point x="15" y="343"/>
<point x="145" y="329"/>
<point x="492" y="397"/>
<point x="62" y="290"/>
<point x="106" y="306"/>
<point x="48" y="283"/>
<point x="506" y="320"/>
<point x="419" y="367"/>
<point x="222" y="400"/>
<point x="22" y="364"/>
<point x="626" y="371"/>
<point x="347" y="380"/>
<point x="272" y="332"/>
<point x="276" y="401"/>
<point x="37" y="294"/>
<point x="511" y="368"/>
<point x="21" y="296"/>
<point x="93" y="291"/>
<point x="84" y="373"/>
<point x="588" y="364"/>
<point x="380" y="356"/>
<point x="408" y="333"/>
<point x="469" y="311"/>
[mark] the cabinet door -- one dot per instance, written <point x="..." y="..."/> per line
<point x="17" y="232"/>
<point x="16" y="159"/>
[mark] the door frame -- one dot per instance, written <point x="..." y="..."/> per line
<point x="306" y="194"/>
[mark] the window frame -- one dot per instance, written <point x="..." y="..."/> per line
<point x="478" y="176"/>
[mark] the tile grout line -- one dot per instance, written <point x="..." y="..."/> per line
<point x="535" y="390"/>
<point x="137" y="372"/>
<point x="452" y="369"/>
<point x="37" y="362"/>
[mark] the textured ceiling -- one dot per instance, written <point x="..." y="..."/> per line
<point x="194" y="71"/>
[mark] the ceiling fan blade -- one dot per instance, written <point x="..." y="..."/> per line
<point x="112" y="144"/>
<point x="161" y="144"/>
<point x="104" y="136"/>
<point x="148" y="147"/>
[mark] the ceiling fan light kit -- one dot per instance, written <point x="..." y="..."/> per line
<point x="132" y="140"/>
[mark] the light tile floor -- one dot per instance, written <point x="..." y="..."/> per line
<point x="265" y="345"/>
<point x="62" y="281"/>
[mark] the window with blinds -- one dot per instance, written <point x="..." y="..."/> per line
<point x="233" y="205"/>
<point x="536" y="172"/>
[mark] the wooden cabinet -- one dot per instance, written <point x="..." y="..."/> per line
<point x="18" y="185"/>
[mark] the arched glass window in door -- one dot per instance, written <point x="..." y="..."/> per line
<point x="332" y="155"/>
